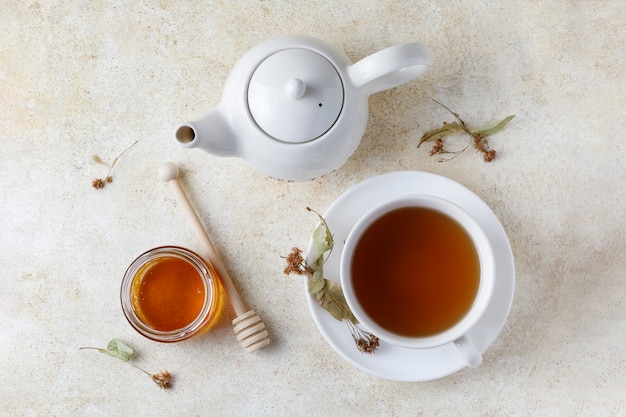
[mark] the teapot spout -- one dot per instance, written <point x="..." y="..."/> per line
<point x="211" y="133"/>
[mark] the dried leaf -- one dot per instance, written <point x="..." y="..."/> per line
<point x="120" y="350"/>
<point x="98" y="160"/>
<point x="335" y="303"/>
<point x="492" y="129"/>
<point x="447" y="129"/>
<point x="321" y="241"/>
<point x="322" y="238"/>
<point x="315" y="284"/>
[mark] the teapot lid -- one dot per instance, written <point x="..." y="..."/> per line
<point x="295" y="95"/>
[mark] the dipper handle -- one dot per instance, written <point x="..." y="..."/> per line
<point x="249" y="329"/>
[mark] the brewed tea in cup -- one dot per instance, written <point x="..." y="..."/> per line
<point x="418" y="272"/>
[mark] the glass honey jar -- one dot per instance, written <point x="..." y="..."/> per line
<point x="170" y="294"/>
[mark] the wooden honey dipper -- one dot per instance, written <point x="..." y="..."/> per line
<point x="249" y="329"/>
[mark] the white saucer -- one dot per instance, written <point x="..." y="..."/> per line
<point x="390" y="361"/>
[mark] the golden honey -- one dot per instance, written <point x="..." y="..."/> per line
<point x="170" y="294"/>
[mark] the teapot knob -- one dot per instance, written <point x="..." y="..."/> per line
<point x="295" y="88"/>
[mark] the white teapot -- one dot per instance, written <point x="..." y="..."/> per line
<point x="295" y="107"/>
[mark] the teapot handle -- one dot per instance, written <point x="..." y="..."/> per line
<point x="390" y="67"/>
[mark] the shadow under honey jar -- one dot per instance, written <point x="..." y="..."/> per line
<point x="170" y="294"/>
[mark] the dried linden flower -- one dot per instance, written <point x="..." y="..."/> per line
<point x="163" y="379"/>
<point x="295" y="262"/>
<point x="365" y="341"/>
<point x="328" y="293"/>
<point x="479" y="137"/>
<point x="99" y="183"/>
<point x="120" y="350"/>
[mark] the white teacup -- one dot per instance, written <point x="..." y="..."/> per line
<point x="388" y="263"/>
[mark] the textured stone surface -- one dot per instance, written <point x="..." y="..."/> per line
<point x="81" y="78"/>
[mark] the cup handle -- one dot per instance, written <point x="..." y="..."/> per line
<point x="470" y="354"/>
<point x="390" y="67"/>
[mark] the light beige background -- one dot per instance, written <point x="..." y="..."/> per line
<point x="81" y="78"/>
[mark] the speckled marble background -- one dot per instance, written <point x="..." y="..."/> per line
<point x="82" y="78"/>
